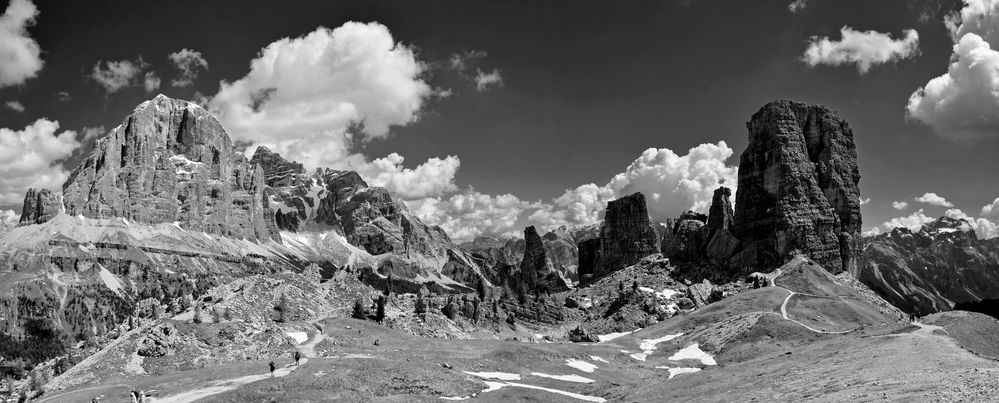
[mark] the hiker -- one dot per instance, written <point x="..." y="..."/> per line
<point x="298" y="356"/>
<point x="272" y="368"/>
<point x="136" y="397"/>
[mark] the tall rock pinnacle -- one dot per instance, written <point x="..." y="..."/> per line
<point x="798" y="187"/>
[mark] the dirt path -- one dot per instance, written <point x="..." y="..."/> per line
<point x="307" y="349"/>
<point x="783" y="307"/>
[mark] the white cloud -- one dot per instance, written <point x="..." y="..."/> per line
<point x="64" y="96"/>
<point x="672" y="184"/>
<point x="461" y="61"/>
<point x="963" y="103"/>
<point x="190" y="63"/>
<point x="470" y="214"/>
<point x="484" y="80"/>
<point x="20" y="56"/>
<point x="934" y="200"/>
<point x="29" y="158"/>
<point x="14" y="106"/>
<point x="151" y="82"/>
<point x="864" y="201"/>
<point x="871" y="232"/>
<point x="311" y="98"/>
<point x="90" y="133"/>
<point x="797" y="5"/>
<point x="913" y="221"/>
<point x="866" y="49"/>
<point x="899" y="205"/>
<point x="984" y="228"/>
<point x="9" y="217"/>
<point x="117" y="75"/>
<point x="433" y="178"/>
<point x="991" y="210"/>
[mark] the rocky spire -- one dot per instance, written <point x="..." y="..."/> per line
<point x="720" y="214"/>
<point x="798" y="187"/>
<point x="627" y="235"/>
<point x="40" y="206"/>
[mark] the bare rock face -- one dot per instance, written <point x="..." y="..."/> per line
<point x="171" y="161"/>
<point x="798" y="187"/>
<point x="720" y="214"/>
<point x="40" y="206"/>
<point x="536" y="269"/>
<point x="625" y="237"/>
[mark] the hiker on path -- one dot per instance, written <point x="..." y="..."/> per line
<point x="298" y="356"/>
<point x="272" y="368"/>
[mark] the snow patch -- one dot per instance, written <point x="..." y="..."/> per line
<point x="646" y="289"/>
<point x="693" y="352"/>
<point x="595" y="358"/>
<point x="503" y="376"/>
<point x="566" y="378"/>
<point x="679" y="370"/>
<point x="612" y="336"/>
<point x="648" y="346"/>
<point x="300" y="337"/>
<point x="494" y="386"/>
<point x="582" y="365"/>
<point x="110" y="280"/>
<point x="667" y="293"/>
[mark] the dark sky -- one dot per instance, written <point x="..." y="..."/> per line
<point x="587" y="85"/>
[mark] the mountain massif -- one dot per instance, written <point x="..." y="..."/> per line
<point x="171" y="262"/>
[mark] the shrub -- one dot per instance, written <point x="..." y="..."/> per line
<point x="360" y="310"/>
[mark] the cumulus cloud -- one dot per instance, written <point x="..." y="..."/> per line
<point x="470" y="214"/>
<point x="983" y="227"/>
<point x="963" y="103"/>
<point x="117" y="75"/>
<point x="190" y="63"/>
<point x="484" y="80"/>
<point x="30" y="158"/>
<point x="991" y="210"/>
<point x="913" y="221"/>
<point x="865" y="49"/>
<point x="433" y="178"/>
<point x="934" y="199"/>
<point x="64" y="96"/>
<point x="14" y="106"/>
<point x="9" y="217"/>
<point x="899" y="205"/>
<point x="864" y="201"/>
<point x="871" y="232"/>
<point x="90" y="133"/>
<point x="672" y="184"/>
<point x="797" y="5"/>
<point x="312" y="98"/>
<point x="20" y="55"/>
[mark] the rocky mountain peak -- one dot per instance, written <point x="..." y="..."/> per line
<point x="171" y="161"/>
<point x="625" y="237"/>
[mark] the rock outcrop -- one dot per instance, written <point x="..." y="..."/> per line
<point x="536" y="269"/>
<point x="40" y="206"/>
<point x="798" y="188"/>
<point x="171" y="161"/>
<point x="625" y="237"/>
<point x="931" y="270"/>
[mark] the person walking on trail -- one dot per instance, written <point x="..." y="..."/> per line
<point x="272" y="368"/>
<point x="298" y="356"/>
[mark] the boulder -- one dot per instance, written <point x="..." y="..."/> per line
<point x="704" y="293"/>
<point x="798" y="187"/>
<point x="158" y="341"/>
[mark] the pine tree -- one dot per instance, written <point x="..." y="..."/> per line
<point x="421" y="305"/>
<point x="360" y="311"/>
<point x="281" y="307"/>
<point x="475" y="310"/>
<point x="481" y="288"/>
<point x="380" y="313"/>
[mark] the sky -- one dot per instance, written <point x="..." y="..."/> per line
<point x="487" y="116"/>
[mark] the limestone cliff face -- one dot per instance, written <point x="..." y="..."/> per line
<point x="798" y="187"/>
<point x="536" y="269"/>
<point x="171" y="161"/>
<point x="625" y="237"/>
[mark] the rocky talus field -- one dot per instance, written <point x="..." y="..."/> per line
<point x="172" y="265"/>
